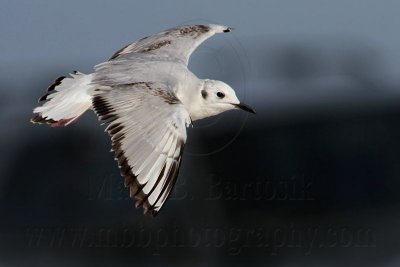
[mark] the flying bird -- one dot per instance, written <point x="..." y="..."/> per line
<point x="146" y="96"/>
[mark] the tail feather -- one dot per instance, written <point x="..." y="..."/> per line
<point x="65" y="101"/>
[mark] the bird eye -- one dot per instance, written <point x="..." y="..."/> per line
<point x="220" y="95"/>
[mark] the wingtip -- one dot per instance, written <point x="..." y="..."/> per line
<point x="220" y="28"/>
<point x="228" y="29"/>
<point x="150" y="212"/>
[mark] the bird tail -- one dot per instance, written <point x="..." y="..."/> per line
<point x="65" y="101"/>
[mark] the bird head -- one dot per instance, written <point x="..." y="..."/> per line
<point x="218" y="97"/>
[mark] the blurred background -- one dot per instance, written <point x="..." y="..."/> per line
<point x="311" y="180"/>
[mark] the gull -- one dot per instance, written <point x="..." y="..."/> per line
<point x="147" y="97"/>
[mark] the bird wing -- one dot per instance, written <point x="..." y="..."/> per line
<point x="176" y="44"/>
<point x="147" y="124"/>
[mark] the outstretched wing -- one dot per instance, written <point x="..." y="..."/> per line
<point x="147" y="124"/>
<point x="176" y="44"/>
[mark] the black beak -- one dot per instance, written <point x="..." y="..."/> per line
<point x="245" y="107"/>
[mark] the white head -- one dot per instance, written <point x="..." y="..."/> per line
<point x="215" y="98"/>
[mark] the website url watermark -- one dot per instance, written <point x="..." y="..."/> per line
<point x="232" y="240"/>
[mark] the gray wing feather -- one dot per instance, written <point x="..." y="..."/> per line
<point x="154" y="58"/>
<point x="176" y="44"/>
<point x="147" y="125"/>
